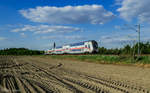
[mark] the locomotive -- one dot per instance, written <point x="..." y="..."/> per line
<point x="90" y="46"/>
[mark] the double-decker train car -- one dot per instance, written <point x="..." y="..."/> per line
<point x="90" y="46"/>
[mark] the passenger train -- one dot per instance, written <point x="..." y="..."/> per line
<point x="90" y="46"/>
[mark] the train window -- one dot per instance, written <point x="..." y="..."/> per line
<point x="85" y="46"/>
<point x="77" y="44"/>
<point x="76" y="50"/>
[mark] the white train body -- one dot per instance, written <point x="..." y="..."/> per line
<point x="90" y="46"/>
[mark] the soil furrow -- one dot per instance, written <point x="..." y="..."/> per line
<point x="25" y="74"/>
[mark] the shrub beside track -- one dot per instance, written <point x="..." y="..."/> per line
<point x="105" y="59"/>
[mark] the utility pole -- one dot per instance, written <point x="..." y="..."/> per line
<point x="54" y="45"/>
<point x="139" y="27"/>
<point x="139" y="32"/>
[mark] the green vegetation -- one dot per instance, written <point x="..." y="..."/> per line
<point x="20" y="51"/>
<point x="127" y="50"/>
<point x="105" y="59"/>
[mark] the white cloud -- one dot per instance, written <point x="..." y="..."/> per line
<point x="62" y="37"/>
<point x="116" y="39"/>
<point x="117" y="27"/>
<point x="135" y="9"/>
<point x="38" y="29"/>
<point x="23" y="35"/>
<point x="93" y="14"/>
<point x="2" y="38"/>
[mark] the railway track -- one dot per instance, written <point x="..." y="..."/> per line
<point x="19" y="75"/>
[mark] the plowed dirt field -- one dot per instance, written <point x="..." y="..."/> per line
<point x="37" y="74"/>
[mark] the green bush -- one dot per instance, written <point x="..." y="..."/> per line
<point x="113" y="59"/>
<point x="20" y="51"/>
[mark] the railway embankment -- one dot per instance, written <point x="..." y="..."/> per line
<point x="142" y="61"/>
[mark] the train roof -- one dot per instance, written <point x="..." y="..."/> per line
<point x="80" y="42"/>
<point x="58" y="46"/>
<point x="75" y="44"/>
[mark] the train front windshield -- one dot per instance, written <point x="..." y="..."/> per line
<point x="95" y="45"/>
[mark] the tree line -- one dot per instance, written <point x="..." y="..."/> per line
<point x="20" y="51"/>
<point x="127" y="49"/>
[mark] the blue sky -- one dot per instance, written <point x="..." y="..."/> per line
<point x="36" y="24"/>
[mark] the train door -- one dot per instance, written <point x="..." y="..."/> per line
<point x="86" y="48"/>
<point x="67" y="49"/>
<point x="90" y="46"/>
